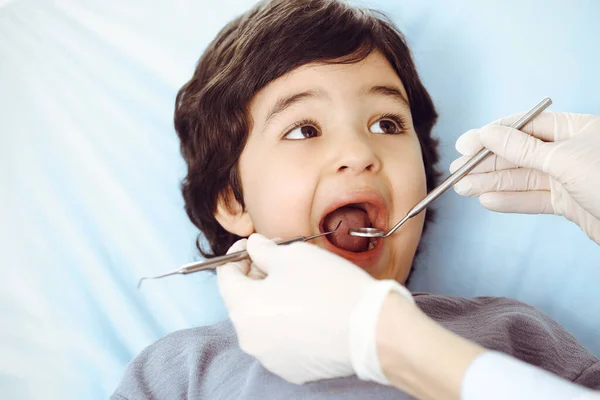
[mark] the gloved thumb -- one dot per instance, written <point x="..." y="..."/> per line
<point x="263" y="252"/>
<point x="517" y="147"/>
<point x="233" y="283"/>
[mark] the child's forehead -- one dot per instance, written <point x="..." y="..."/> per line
<point x="322" y="80"/>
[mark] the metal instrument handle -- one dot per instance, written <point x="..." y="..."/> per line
<point x="215" y="262"/>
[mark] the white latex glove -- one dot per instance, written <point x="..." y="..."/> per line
<point x="313" y="317"/>
<point x="245" y="267"/>
<point x="552" y="168"/>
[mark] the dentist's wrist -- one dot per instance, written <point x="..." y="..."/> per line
<point x="363" y="328"/>
<point x="419" y="356"/>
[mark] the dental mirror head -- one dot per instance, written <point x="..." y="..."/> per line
<point x="378" y="233"/>
<point x="366" y="232"/>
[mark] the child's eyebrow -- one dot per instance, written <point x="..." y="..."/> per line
<point x="285" y="102"/>
<point x="389" y="91"/>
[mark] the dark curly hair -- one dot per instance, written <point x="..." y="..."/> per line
<point x="270" y="40"/>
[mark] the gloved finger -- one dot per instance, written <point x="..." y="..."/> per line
<point x="510" y="180"/>
<point x="468" y="144"/>
<point x="490" y="164"/>
<point x="255" y="272"/>
<point x="542" y="127"/>
<point x="243" y="265"/>
<point x="537" y="202"/>
<point x="264" y="252"/>
<point x="516" y="147"/>
<point x="246" y="266"/>
<point x="234" y="285"/>
<point x="238" y="246"/>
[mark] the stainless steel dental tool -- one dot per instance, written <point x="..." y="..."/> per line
<point x="215" y="262"/>
<point x="450" y="180"/>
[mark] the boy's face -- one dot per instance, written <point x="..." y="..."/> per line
<point x="325" y="137"/>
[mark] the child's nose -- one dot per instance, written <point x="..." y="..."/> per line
<point x="358" y="154"/>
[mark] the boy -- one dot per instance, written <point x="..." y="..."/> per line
<point x="303" y="115"/>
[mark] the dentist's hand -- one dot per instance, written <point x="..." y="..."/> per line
<point x="313" y="317"/>
<point x="317" y="316"/>
<point x="552" y="166"/>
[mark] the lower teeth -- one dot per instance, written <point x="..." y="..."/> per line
<point x="372" y="244"/>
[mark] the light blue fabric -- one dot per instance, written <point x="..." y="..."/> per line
<point x="90" y="169"/>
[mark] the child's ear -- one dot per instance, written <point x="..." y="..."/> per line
<point x="232" y="217"/>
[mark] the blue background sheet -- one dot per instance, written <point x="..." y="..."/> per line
<point x="90" y="171"/>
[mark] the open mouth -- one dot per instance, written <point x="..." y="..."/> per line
<point x="355" y="215"/>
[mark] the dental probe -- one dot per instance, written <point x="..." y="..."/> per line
<point x="215" y="262"/>
<point x="450" y="180"/>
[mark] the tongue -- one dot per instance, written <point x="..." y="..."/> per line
<point x="349" y="217"/>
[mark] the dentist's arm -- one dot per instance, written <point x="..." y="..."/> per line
<point x="432" y="363"/>
<point x="419" y="356"/>
<point x="317" y="316"/>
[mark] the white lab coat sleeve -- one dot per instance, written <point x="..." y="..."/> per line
<point x="497" y="376"/>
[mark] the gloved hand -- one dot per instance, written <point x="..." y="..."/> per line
<point x="554" y="167"/>
<point x="247" y="268"/>
<point x="313" y="317"/>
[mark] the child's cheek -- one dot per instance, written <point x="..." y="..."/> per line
<point x="279" y="201"/>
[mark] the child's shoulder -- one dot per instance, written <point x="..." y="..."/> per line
<point x="439" y="306"/>
<point x="483" y="317"/>
<point x="187" y="361"/>
<point x="190" y="342"/>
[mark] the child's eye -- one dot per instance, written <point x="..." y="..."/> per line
<point x="388" y="124"/>
<point x="302" y="131"/>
